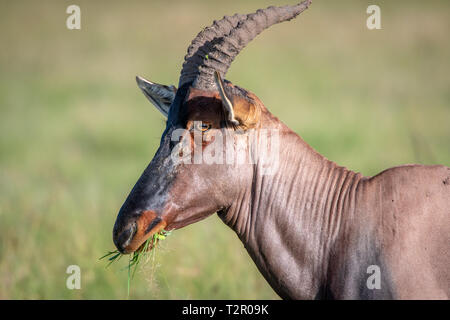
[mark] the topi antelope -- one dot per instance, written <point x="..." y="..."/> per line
<point x="314" y="229"/>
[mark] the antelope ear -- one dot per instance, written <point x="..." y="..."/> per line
<point x="160" y="95"/>
<point x="239" y="111"/>
<point x="226" y="102"/>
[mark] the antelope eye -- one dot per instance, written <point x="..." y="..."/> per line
<point x="203" y="127"/>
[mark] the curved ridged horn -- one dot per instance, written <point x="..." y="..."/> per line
<point x="216" y="47"/>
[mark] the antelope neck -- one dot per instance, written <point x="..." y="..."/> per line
<point x="298" y="214"/>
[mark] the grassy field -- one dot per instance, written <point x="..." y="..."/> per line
<point x="76" y="133"/>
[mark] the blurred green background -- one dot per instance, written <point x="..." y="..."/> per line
<point x="76" y="132"/>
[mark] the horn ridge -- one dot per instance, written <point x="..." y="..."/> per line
<point x="218" y="53"/>
<point x="197" y="49"/>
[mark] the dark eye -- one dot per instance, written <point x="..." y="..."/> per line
<point x="203" y="127"/>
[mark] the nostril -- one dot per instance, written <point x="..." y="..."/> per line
<point x="124" y="238"/>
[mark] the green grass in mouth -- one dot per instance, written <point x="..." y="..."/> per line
<point x="142" y="253"/>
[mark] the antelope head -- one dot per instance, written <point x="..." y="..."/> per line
<point x="174" y="192"/>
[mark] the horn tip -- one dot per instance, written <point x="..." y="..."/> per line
<point x="142" y="82"/>
<point x="307" y="3"/>
<point x="139" y="79"/>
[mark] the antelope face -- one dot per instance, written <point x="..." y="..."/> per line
<point x="199" y="168"/>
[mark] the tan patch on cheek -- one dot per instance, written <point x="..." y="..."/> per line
<point x="144" y="221"/>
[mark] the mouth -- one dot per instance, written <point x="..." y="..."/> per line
<point x="147" y="225"/>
